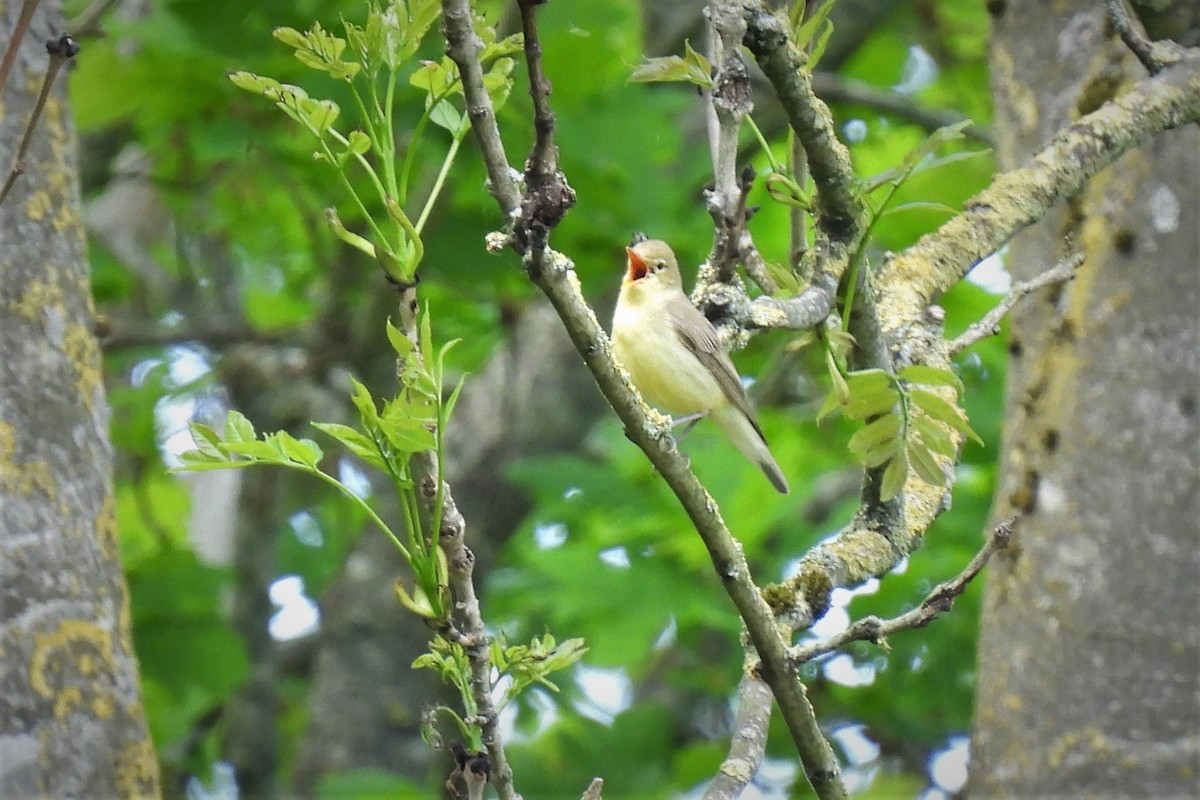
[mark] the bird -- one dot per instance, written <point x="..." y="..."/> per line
<point x="674" y="356"/>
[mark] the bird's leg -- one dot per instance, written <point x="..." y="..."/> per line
<point x="688" y="422"/>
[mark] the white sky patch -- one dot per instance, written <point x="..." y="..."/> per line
<point x="948" y="767"/>
<point x="667" y="637"/>
<point x="616" y="557"/>
<point x="187" y="364"/>
<point x="606" y="692"/>
<point x="991" y="274"/>
<point x="1164" y="210"/>
<point x="224" y="784"/>
<point x="854" y="131"/>
<point x="353" y="476"/>
<point x="307" y="529"/>
<point x="552" y="535"/>
<point x="298" y="615"/>
<point x="842" y="669"/>
<point x="919" y="71"/>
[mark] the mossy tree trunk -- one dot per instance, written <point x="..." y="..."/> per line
<point x="1087" y="665"/>
<point x="71" y="717"/>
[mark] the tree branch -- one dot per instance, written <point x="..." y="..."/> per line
<point x="61" y="50"/>
<point x="909" y="281"/>
<point x="1155" y="56"/>
<point x="552" y="273"/>
<point x="463" y="46"/>
<point x="467" y="622"/>
<point x="841" y="210"/>
<point x="940" y="600"/>
<point x="15" y="38"/>
<point x="749" y="741"/>
<point x="989" y="325"/>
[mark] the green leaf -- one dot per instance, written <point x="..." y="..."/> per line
<point x="399" y="342"/>
<point x="930" y="376"/>
<point x="444" y="115"/>
<point x="893" y="478"/>
<point x="884" y="429"/>
<point x="302" y="451"/>
<point x="355" y="441"/>
<point x="238" y="428"/>
<point x="925" y="464"/>
<point x="783" y="189"/>
<point x="933" y="434"/>
<point x="359" y="143"/>
<point x="256" y="84"/>
<point x="406" y="427"/>
<point x="254" y="451"/>
<point x="943" y="411"/>
<point x="207" y="441"/>
<point x="340" y="231"/>
<point x="867" y="403"/>
<point x="818" y="49"/>
<point x="365" y="404"/>
<point x="434" y="77"/>
<point x="692" y="67"/>
<point x="804" y="30"/>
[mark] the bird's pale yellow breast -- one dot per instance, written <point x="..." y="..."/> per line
<point x="666" y="373"/>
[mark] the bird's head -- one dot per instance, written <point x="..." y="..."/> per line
<point x="652" y="264"/>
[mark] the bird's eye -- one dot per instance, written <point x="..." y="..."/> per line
<point x="658" y="265"/>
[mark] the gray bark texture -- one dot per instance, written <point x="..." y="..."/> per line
<point x="1088" y="660"/>
<point x="71" y="716"/>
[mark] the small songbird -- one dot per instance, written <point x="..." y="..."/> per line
<point x="674" y="357"/>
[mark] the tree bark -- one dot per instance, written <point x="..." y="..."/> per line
<point x="71" y="716"/>
<point x="1087" y="661"/>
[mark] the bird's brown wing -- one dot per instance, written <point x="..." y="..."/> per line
<point x="700" y="337"/>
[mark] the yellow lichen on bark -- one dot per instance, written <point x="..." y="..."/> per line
<point x="137" y="770"/>
<point x="65" y="664"/>
<point x="80" y="346"/>
<point x="37" y="297"/>
<point x="26" y="477"/>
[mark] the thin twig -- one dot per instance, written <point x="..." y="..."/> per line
<point x="467" y="621"/>
<point x="1155" y="56"/>
<point x="989" y="325"/>
<point x="14" y="41"/>
<point x="548" y="196"/>
<point x="748" y="743"/>
<point x="730" y="103"/>
<point x="463" y="46"/>
<point x="87" y="22"/>
<point x="940" y="600"/>
<point x="61" y="50"/>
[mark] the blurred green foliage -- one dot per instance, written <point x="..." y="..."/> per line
<point x="604" y="553"/>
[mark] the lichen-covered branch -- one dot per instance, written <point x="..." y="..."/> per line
<point x="748" y="744"/>
<point x="989" y="325"/>
<point x="874" y="629"/>
<point x="910" y="280"/>
<point x="841" y="209"/>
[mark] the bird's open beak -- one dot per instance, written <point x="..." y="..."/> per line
<point x="637" y="267"/>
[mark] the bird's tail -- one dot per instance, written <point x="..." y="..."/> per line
<point x="748" y="438"/>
